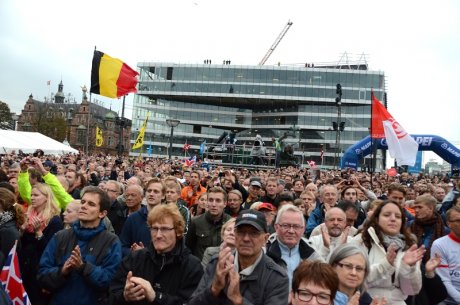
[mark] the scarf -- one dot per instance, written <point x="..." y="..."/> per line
<point x="397" y="240"/>
<point x="419" y="226"/>
<point x="30" y="224"/>
<point x="5" y="217"/>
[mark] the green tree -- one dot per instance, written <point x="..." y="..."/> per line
<point x="6" y="120"/>
<point x="50" y="122"/>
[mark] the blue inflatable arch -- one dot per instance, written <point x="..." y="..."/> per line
<point x="437" y="144"/>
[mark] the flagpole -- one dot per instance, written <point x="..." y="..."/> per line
<point x="87" y="130"/>
<point x="122" y="123"/>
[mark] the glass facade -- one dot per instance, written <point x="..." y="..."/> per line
<point x="248" y="100"/>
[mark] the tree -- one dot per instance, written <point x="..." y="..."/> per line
<point x="6" y="120"/>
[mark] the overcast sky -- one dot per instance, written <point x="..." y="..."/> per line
<point x="416" y="44"/>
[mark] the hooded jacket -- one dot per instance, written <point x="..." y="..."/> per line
<point x="101" y="253"/>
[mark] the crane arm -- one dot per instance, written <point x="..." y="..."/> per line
<point x="275" y="44"/>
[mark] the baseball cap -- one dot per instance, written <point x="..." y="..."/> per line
<point x="256" y="183"/>
<point x="253" y="218"/>
<point x="48" y="163"/>
<point x="267" y="206"/>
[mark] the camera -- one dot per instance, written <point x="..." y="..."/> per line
<point x="38" y="153"/>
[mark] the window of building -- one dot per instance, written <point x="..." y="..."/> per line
<point x="80" y="136"/>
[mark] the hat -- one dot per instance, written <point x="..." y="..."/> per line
<point x="267" y="206"/>
<point x="256" y="183"/>
<point x="48" y="163"/>
<point x="253" y="218"/>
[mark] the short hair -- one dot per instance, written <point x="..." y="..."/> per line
<point x="346" y="205"/>
<point x="82" y="179"/>
<point x="117" y="184"/>
<point x="196" y="172"/>
<point x="3" y="176"/>
<point x="271" y="179"/>
<point x="284" y="196"/>
<point x="298" y="202"/>
<point x="317" y="273"/>
<point x="161" y="211"/>
<point x="346" y="250"/>
<point x="308" y="193"/>
<point x="396" y="187"/>
<point x="35" y="174"/>
<point x="427" y="200"/>
<point x="290" y="208"/>
<point x="218" y="189"/>
<point x="225" y="225"/>
<point x="322" y="189"/>
<point x="104" y="200"/>
<point x="139" y="189"/>
<point x="236" y="192"/>
<point x="156" y="180"/>
<point x="342" y="193"/>
<point x="455" y="208"/>
<point x="328" y="212"/>
<point x="170" y="184"/>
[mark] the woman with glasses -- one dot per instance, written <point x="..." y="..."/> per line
<point x="165" y="271"/>
<point x="313" y="283"/>
<point x="351" y="264"/>
<point x="394" y="257"/>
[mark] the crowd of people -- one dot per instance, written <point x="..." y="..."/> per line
<point x="106" y="230"/>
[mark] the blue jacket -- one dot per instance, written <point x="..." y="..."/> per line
<point x="315" y="219"/>
<point x="101" y="253"/>
<point x="135" y="230"/>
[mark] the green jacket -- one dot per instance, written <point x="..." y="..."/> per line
<point x="62" y="197"/>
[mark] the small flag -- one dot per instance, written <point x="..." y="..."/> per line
<point x="48" y="82"/>
<point x="12" y="281"/>
<point x="190" y="161"/>
<point x="99" y="139"/>
<point x="401" y="145"/>
<point x="321" y="154"/>
<point x="140" y="138"/>
<point x="312" y="163"/>
<point x="203" y="147"/>
<point x="111" y="77"/>
<point x="186" y="146"/>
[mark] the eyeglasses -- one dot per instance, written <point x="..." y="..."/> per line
<point x="156" y="230"/>
<point x="251" y="233"/>
<point x="305" y="295"/>
<point x="350" y="267"/>
<point x="287" y="226"/>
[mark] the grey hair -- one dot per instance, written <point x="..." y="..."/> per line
<point x="291" y="208"/>
<point x="322" y="188"/>
<point x="346" y="250"/>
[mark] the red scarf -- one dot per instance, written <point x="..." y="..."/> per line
<point x="30" y="224"/>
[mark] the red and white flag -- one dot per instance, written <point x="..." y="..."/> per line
<point x="48" y="82"/>
<point x="189" y="162"/>
<point x="12" y="280"/>
<point x="312" y="163"/>
<point x="321" y="154"/>
<point x="186" y="146"/>
<point x="401" y="145"/>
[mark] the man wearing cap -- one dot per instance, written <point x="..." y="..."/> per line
<point x="287" y="247"/>
<point x="254" y="190"/>
<point x="269" y="211"/>
<point x="247" y="276"/>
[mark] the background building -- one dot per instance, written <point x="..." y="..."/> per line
<point x="75" y="123"/>
<point x="299" y="101"/>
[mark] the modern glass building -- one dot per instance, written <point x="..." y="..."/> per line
<point x="209" y="100"/>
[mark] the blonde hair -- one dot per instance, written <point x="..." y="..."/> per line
<point x="51" y="208"/>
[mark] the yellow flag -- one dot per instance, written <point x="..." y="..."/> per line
<point x="140" y="138"/>
<point x="99" y="139"/>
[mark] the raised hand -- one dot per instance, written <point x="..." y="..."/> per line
<point x="354" y="300"/>
<point x="344" y="236"/>
<point x="376" y="301"/>
<point x="432" y="264"/>
<point x="233" y="291"/>
<point x="147" y="289"/>
<point x="132" y="291"/>
<point x="135" y="246"/>
<point x="224" y="265"/>
<point x="413" y="255"/>
<point x="391" y="254"/>
<point x="326" y="237"/>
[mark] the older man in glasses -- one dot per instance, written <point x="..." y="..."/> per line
<point x="287" y="247"/>
<point x="247" y="276"/>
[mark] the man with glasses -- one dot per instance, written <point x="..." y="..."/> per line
<point x="448" y="248"/>
<point x="247" y="276"/>
<point x="118" y="212"/>
<point x="287" y="247"/>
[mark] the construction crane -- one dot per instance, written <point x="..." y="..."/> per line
<point x="275" y="44"/>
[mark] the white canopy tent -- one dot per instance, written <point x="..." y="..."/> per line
<point x="28" y="142"/>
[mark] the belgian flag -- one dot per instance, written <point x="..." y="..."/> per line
<point x="111" y="77"/>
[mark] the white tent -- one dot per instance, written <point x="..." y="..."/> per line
<point x="28" y="142"/>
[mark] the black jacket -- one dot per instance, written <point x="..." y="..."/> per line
<point x="274" y="251"/>
<point x="174" y="276"/>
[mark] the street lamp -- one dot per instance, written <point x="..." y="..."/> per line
<point x="171" y="123"/>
